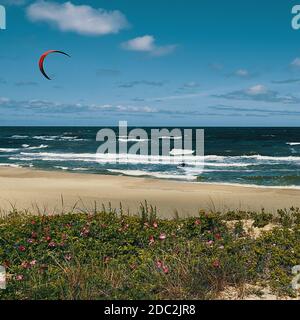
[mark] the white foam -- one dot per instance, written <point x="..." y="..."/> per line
<point x="62" y="168"/>
<point x="176" y="152"/>
<point x="132" y="140"/>
<point x="171" y="138"/>
<point x="16" y="136"/>
<point x="46" y="138"/>
<point x="42" y="146"/>
<point x="110" y="158"/>
<point x="67" y="138"/>
<point x="254" y="157"/>
<point x="140" y="173"/>
<point x="13" y="165"/>
<point x="8" y="149"/>
<point x="293" y="143"/>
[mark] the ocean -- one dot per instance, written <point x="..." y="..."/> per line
<point x="245" y="156"/>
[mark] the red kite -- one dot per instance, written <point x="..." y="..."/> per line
<point x="42" y="58"/>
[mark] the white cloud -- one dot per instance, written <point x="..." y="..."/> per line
<point x="257" y="90"/>
<point x="50" y="107"/>
<point x="81" y="19"/>
<point x="147" y="44"/>
<point x="296" y="63"/>
<point x="242" y="73"/>
<point x="260" y="93"/>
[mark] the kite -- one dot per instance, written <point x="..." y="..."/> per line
<point x="42" y="58"/>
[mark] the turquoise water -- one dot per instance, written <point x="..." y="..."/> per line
<point x="255" y="156"/>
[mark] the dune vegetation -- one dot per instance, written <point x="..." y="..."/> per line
<point x="110" y="254"/>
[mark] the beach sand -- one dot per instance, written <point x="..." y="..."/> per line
<point x="43" y="191"/>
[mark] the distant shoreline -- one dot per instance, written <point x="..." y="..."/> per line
<point x="55" y="192"/>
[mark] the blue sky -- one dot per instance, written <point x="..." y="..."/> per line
<point x="177" y="63"/>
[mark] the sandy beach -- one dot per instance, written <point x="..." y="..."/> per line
<point x="43" y="191"/>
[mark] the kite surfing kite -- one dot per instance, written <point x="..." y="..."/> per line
<point x="42" y="58"/>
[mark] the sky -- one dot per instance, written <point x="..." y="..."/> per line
<point x="151" y="63"/>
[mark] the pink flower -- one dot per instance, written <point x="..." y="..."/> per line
<point x="162" y="236"/>
<point x="19" y="277"/>
<point x="160" y="265"/>
<point x="33" y="263"/>
<point x="210" y="242"/>
<point x="33" y="222"/>
<point x="216" y="263"/>
<point x="30" y="240"/>
<point x="48" y="238"/>
<point x="165" y="269"/>
<point x="22" y="248"/>
<point x="197" y="222"/>
<point x="52" y="244"/>
<point x="151" y="240"/>
<point x="155" y="225"/>
<point x="84" y="232"/>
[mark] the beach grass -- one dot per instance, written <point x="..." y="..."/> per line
<point x="110" y="254"/>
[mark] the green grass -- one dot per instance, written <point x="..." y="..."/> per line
<point x="112" y="255"/>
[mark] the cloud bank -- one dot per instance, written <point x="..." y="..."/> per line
<point x="259" y="93"/>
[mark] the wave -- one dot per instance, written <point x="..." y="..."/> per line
<point x="13" y="165"/>
<point x="16" y="136"/>
<point x="125" y="138"/>
<point x="8" y="149"/>
<point x="18" y="158"/>
<point x="112" y="158"/>
<point x="141" y="173"/>
<point x="46" y="138"/>
<point x="42" y="146"/>
<point x="132" y="140"/>
<point x="293" y="143"/>
<point x="171" y="138"/>
<point x="176" y="152"/>
<point x="59" y="138"/>
<point x="253" y="157"/>
<point x="61" y="168"/>
<point x="210" y="160"/>
<point x="64" y="138"/>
